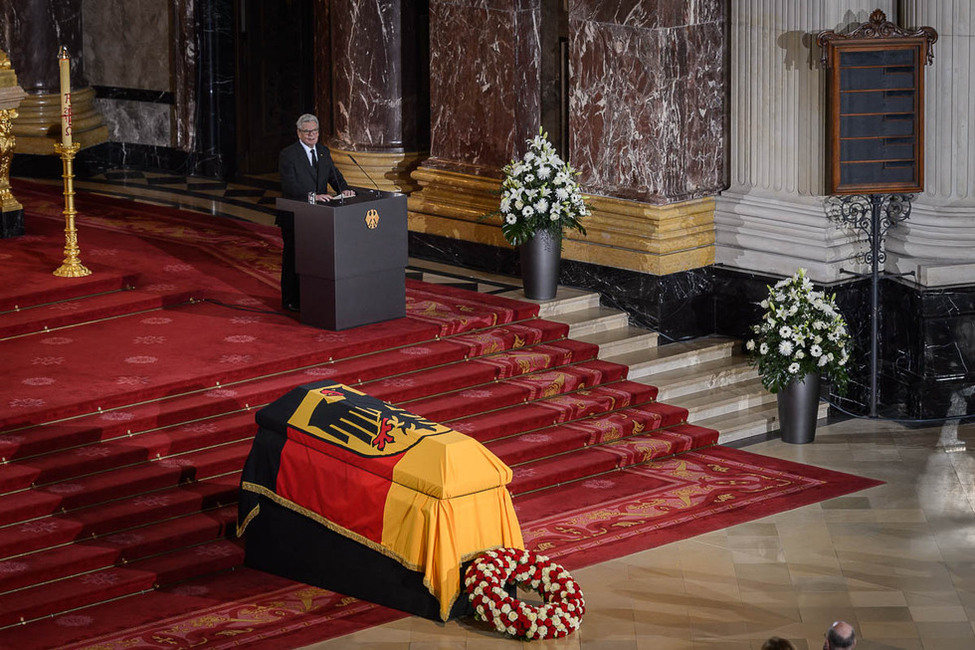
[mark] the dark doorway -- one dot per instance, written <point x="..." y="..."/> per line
<point x="275" y="78"/>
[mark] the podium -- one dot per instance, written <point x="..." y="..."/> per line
<point x="351" y="256"/>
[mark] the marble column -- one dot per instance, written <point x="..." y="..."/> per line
<point x="379" y="98"/>
<point x="937" y="242"/>
<point x="772" y="218"/>
<point x="32" y="32"/>
<point x="485" y="63"/>
<point x="646" y="120"/>
<point x="646" y="85"/>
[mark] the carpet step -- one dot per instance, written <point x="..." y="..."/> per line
<point x="622" y="340"/>
<point x="117" y="516"/>
<point x="103" y="488"/>
<point x="580" y="434"/>
<point x="645" y="364"/>
<point x="254" y="392"/>
<point x="702" y="377"/>
<point x="480" y="370"/>
<point x="80" y="311"/>
<point x="516" y="390"/>
<point x="126" y="451"/>
<point x="116" y="549"/>
<point x="116" y="582"/>
<point x="27" y="296"/>
<point x="599" y="459"/>
<point x="559" y="409"/>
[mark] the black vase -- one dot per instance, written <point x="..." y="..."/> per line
<point x="799" y="409"/>
<point x="540" y="258"/>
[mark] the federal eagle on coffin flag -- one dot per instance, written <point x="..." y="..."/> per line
<point x="350" y="493"/>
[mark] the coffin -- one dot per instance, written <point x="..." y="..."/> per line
<point x="349" y="493"/>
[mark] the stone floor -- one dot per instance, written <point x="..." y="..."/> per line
<point x="897" y="561"/>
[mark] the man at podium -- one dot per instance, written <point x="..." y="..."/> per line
<point x="306" y="167"/>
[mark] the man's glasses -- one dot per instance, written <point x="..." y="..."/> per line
<point x="308" y="131"/>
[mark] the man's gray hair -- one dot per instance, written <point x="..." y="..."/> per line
<point x="307" y="117"/>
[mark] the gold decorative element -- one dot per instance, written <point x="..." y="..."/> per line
<point x="657" y="239"/>
<point x="389" y="172"/>
<point x="372" y="219"/>
<point x="7" y="143"/>
<point x="72" y="266"/>
<point x="39" y="124"/>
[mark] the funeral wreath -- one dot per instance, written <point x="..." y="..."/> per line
<point x="801" y="332"/>
<point x="539" y="192"/>
<point x="489" y="574"/>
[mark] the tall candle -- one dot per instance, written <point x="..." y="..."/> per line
<point x="64" y="63"/>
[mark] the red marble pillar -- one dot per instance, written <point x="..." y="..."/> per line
<point x="377" y="94"/>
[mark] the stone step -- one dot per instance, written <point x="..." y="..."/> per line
<point x="754" y="421"/>
<point x="647" y="363"/>
<point x="621" y="340"/>
<point x="566" y="301"/>
<point x="725" y="400"/>
<point x="697" y="377"/>
<point x="590" y="320"/>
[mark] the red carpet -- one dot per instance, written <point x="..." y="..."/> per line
<point x="127" y="409"/>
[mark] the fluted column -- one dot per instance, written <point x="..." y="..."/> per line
<point x="938" y="241"/>
<point x="379" y="101"/>
<point x="772" y="217"/>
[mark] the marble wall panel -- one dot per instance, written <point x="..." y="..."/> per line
<point x="377" y="92"/>
<point x="484" y="81"/>
<point x="647" y="98"/>
<point x="33" y="31"/>
<point x="128" y="43"/>
<point x="137" y="122"/>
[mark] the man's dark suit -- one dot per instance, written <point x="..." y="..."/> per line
<point x="298" y="178"/>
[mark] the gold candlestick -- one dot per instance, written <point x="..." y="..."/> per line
<point x="72" y="266"/>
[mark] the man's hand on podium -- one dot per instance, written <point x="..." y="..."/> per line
<point x="329" y="197"/>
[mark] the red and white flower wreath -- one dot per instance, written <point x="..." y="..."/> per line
<point x="490" y="572"/>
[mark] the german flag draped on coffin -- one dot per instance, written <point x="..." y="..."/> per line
<point x="332" y="460"/>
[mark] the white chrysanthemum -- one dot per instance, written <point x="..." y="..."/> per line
<point x="512" y="219"/>
<point x="785" y="332"/>
<point x="785" y="348"/>
<point x="544" y="171"/>
<point x="541" y="206"/>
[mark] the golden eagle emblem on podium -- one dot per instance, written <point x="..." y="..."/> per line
<point x="372" y="219"/>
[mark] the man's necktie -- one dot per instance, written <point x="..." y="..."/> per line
<point x="314" y="159"/>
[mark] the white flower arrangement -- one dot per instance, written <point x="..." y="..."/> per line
<point x="539" y="192"/>
<point x="801" y="332"/>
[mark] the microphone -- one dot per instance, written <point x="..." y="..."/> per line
<point x="364" y="173"/>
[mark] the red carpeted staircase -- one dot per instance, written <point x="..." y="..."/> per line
<point x="99" y="504"/>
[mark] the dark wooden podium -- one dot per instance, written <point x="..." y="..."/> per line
<point x="351" y="256"/>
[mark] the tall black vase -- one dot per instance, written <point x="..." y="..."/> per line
<point x="540" y="259"/>
<point x="799" y="409"/>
